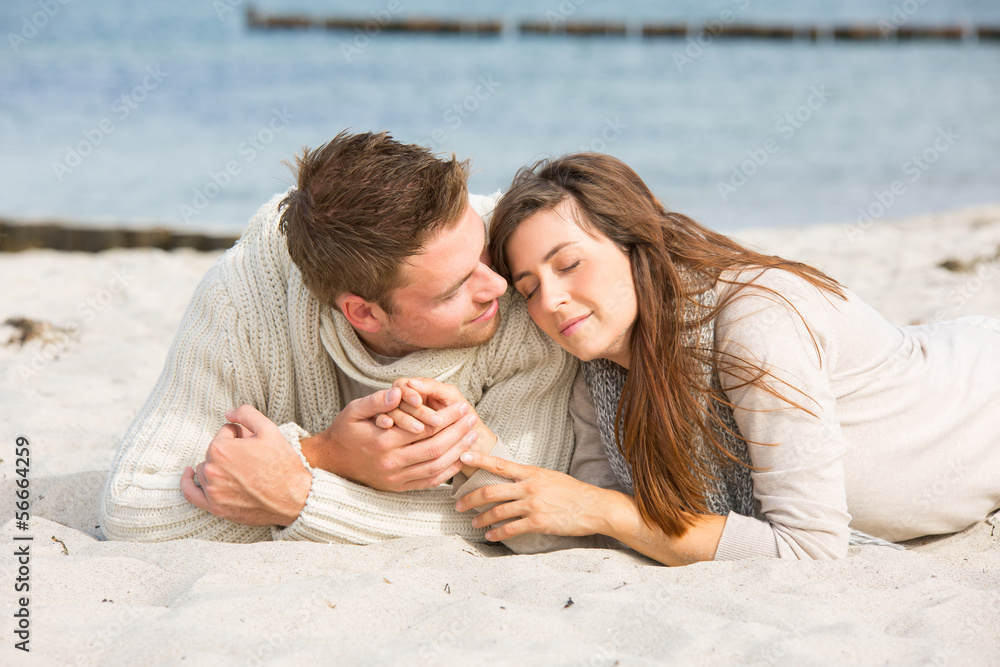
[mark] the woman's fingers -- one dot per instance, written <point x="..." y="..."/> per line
<point x="495" y="493"/>
<point x="541" y="501"/>
<point x="502" y="512"/>
<point x="508" y="530"/>
<point x="509" y="508"/>
<point x="497" y="466"/>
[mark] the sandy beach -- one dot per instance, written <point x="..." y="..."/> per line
<point x="104" y="324"/>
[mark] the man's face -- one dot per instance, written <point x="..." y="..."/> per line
<point x="448" y="296"/>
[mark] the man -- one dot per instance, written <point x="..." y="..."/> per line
<point x="373" y="268"/>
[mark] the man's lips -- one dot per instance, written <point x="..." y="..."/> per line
<point x="490" y="312"/>
<point x="567" y="328"/>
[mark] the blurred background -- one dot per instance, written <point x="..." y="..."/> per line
<point x="179" y="114"/>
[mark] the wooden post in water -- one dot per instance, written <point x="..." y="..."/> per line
<point x="882" y="31"/>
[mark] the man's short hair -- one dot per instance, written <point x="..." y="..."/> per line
<point x="363" y="204"/>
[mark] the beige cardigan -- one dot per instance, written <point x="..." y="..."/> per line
<point x="905" y="436"/>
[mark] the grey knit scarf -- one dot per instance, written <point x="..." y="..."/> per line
<point x="729" y="484"/>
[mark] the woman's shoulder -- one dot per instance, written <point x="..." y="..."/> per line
<point x="762" y="279"/>
<point x="772" y="306"/>
<point x="756" y="287"/>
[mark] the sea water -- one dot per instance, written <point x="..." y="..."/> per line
<point x="177" y="113"/>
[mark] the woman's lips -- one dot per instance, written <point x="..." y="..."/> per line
<point x="569" y="327"/>
<point x="490" y="312"/>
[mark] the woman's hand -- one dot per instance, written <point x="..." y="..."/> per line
<point x="549" y="502"/>
<point x="540" y="500"/>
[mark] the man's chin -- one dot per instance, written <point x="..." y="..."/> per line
<point x="481" y="333"/>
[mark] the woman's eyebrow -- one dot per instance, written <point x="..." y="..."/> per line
<point x="549" y="255"/>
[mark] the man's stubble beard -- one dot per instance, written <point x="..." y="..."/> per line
<point x="467" y="338"/>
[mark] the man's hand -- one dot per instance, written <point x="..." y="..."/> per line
<point x="251" y="475"/>
<point x="419" y="394"/>
<point x="393" y="459"/>
<point x="412" y="413"/>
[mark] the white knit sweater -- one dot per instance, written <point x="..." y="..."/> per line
<point x="253" y="333"/>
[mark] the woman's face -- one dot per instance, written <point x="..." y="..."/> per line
<point x="578" y="287"/>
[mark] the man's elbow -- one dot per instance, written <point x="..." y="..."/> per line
<point x="116" y="522"/>
<point x="125" y="518"/>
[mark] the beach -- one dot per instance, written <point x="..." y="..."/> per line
<point x="100" y="327"/>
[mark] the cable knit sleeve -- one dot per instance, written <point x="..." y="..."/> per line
<point x="799" y="481"/>
<point x="142" y="500"/>
<point x="339" y="511"/>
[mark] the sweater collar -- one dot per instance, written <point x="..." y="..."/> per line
<point x="354" y="359"/>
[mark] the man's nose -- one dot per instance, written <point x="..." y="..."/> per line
<point x="493" y="285"/>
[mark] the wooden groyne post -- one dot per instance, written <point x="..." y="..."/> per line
<point x="18" y="236"/>
<point x="879" y="31"/>
<point x="418" y="25"/>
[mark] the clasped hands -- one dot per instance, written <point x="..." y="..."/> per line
<point x="409" y="436"/>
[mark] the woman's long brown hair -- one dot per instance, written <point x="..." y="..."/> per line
<point x="664" y="405"/>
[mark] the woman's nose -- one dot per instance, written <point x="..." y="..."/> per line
<point x="552" y="295"/>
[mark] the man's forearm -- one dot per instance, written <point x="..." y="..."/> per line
<point x="318" y="452"/>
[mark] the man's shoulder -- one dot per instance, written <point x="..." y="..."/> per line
<point x="264" y="228"/>
<point x="257" y="267"/>
<point x="261" y="247"/>
<point x="514" y="318"/>
<point x="517" y="337"/>
<point x="484" y="204"/>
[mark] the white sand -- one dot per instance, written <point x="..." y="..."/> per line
<point x="446" y="601"/>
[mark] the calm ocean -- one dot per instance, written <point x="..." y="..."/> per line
<point x="176" y="113"/>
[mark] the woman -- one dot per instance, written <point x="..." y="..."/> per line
<point x="754" y="406"/>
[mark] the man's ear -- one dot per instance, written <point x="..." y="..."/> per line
<point x="361" y="313"/>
